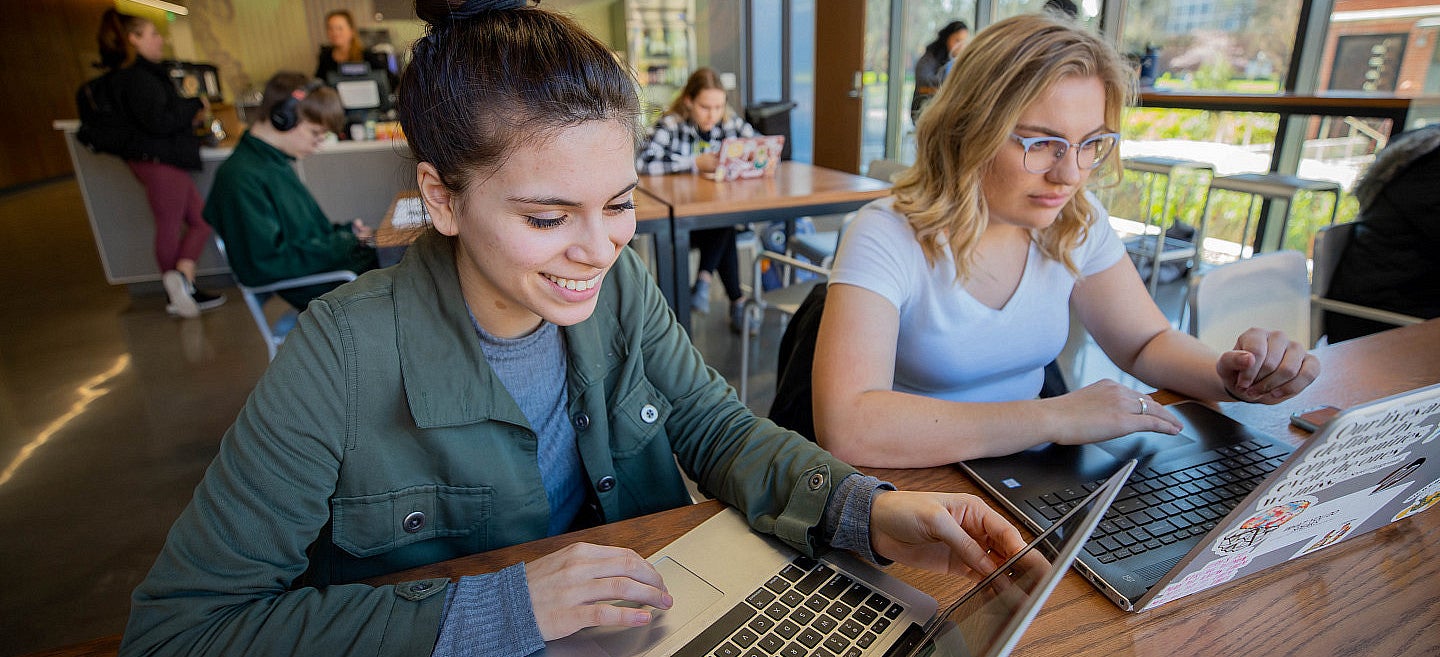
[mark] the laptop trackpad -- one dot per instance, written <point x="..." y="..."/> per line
<point x="1142" y="444"/>
<point x="692" y="596"/>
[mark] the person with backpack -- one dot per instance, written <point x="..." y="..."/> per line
<point x="135" y="112"/>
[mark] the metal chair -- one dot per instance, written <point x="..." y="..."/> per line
<point x="1155" y="247"/>
<point x="1329" y="245"/>
<point x="255" y="298"/>
<point x="1270" y="291"/>
<point x="785" y="300"/>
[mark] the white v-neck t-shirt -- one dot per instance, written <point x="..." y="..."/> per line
<point x="951" y="346"/>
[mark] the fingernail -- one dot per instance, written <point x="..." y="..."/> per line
<point x="669" y="601"/>
<point x="642" y="618"/>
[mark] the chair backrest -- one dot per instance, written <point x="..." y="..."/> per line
<point x="885" y="170"/>
<point x="1270" y="291"/>
<point x="1330" y="244"/>
<point x="792" y="407"/>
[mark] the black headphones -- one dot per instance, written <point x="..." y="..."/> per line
<point x="283" y="115"/>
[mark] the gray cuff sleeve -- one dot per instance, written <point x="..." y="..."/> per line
<point x="489" y="615"/>
<point x="847" y="516"/>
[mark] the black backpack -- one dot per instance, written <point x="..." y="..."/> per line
<point x="103" y="125"/>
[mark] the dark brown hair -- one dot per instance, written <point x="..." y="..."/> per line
<point x="320" y="105"/>
<point x="114" y="38"/>
<point x="489" y="75"/>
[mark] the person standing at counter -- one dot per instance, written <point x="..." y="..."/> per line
<point x="345" y="46"/>
<point x="272" y="227"/>
<point x="516" y="376"/>
<point x="687" y="138"/>
<point x="159" y="149"/>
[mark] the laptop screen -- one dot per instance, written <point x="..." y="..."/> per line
<point x="989" y="619"/>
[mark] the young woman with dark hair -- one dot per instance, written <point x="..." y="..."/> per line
<point x="516" y="376"/>
<point x="930" y="68"/>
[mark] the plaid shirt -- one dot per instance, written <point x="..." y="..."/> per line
<point x="674" y="143"/>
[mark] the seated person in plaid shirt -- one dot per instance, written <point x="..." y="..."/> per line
<point x="687" y="138"/>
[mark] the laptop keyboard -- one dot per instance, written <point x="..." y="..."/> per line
<point x="806" y="609"/>
<point x="1161" y="506"/>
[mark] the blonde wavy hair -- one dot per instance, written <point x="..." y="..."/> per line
<point x="1004" y="69"/>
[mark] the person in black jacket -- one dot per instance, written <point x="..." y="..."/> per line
<point x="345" y="46"/>
<point x="930" y="69"/>
<point x="161" y="146"/>
<point x="1393" y="260"/>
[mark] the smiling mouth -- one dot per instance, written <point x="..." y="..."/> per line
<point x="572" y="284"/>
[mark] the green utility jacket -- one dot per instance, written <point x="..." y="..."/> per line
<point x="272" y="227"/>
<point x="381" y="406"/>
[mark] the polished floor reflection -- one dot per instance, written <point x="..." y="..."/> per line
<point x="110" y="411"/>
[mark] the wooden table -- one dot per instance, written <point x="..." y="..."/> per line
<point x="652" y="217"/>
<point x="1375" y="594"/>
<point x="796" y="190"/>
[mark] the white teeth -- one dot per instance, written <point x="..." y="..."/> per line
<point x="572" y="284"/>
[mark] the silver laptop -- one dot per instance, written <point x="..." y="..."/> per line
<point x="1219" y="501"/>
<point x="741" y="594"/>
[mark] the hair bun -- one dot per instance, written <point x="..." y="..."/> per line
<point x="437" y="12"/>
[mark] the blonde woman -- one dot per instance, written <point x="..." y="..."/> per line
<point x="949" y="297"/>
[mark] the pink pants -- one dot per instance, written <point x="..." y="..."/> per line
<point x="180" y="230"/>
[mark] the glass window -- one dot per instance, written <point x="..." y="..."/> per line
<point x="1240" y="46"/>
<point x="802" y="79"/>
<point x="766" y="43"/>
<point x="875" y="81"/>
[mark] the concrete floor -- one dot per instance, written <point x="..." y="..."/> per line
<point x="110" y="410"/>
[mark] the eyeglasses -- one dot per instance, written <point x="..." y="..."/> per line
<point x="1043" y="153"/>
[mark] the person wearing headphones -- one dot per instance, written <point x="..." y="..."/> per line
<point x="272" y="227"/>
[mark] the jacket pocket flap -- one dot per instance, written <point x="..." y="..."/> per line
<point x="367" y="525"/>
<point x="638" y="416"/>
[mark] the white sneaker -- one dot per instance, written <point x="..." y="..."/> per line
<point x="178" y="289"/>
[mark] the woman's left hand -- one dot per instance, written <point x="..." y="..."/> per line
<point x="1266" y="367"/>
<point x="952" y="533"/>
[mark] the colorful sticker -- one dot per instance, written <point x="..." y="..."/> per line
<point x="1422" y="499"/>
<point x="1330" y="538"/>
<point x="1215" y="573"/>
<point x="1258" y="526"/>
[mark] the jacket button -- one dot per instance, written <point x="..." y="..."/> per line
<point x="413" y="522"/>
<point x="816" y="481"/>
<point x="420" y="587"/>
<point x="649" y="413"/>
<point x="605" y="484"/>
<point x="582" y="421"/>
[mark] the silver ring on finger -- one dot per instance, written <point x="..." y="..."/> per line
<point x="1144" y="405"/>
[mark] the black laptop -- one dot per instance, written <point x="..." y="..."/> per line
<point x="1183" y="486"/>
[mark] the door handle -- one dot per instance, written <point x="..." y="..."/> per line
<point x="856" y="84"/>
